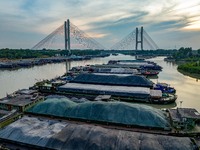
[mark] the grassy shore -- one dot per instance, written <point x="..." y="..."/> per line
<point x="193" y="75"/>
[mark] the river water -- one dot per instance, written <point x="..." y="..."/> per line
<point x="188" y="89"/>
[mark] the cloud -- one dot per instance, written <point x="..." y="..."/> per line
<point x="103" y="19"/>
<point x="97" y="35"/>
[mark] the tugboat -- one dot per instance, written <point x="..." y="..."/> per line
<point x="149" y="73"/>
<point x="165" y="88"/>
<point x="165" y="99"/>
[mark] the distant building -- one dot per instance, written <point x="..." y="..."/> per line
<point x="184" y="118"/>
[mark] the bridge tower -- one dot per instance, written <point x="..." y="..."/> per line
<point x="139" y="40"/>
<point x="67" y="35"/>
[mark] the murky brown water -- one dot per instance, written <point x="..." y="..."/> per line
<point x="188" y="89"/>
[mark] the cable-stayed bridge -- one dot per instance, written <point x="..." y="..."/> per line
<point x="69" y="37"/>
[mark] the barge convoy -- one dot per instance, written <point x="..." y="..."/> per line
<point x="123" y="84"/>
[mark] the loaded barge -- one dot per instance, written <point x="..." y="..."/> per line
<point x="122" y="93"/>
<point x="122" y="88"/>
<point x="134" y="67"/>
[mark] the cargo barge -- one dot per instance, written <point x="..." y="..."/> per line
<point x="122" y="93"/>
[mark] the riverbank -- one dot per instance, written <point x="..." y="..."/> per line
<point x="187" y="67"/>
<point x="12" y="64"/>
<point x="23" y="63"/>
<point x="187" y="61"/>
<point x="191" y="69"/>
<point x="192" y="75"/>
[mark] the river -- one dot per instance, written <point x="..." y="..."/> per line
<point x="188" y="89"/>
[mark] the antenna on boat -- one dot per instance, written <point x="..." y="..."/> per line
<point x="181" y="103"/>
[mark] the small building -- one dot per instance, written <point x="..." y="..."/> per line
<point x="20" y="102"/>
<point x="184" y="118"/>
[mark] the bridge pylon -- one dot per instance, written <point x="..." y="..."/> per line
<point x="139" y="40"/>
<point x="67" y="35"/>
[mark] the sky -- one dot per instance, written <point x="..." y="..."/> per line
<point x="170" y="23"/>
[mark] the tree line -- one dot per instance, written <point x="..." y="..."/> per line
<point x="187" y="54"/>
<point x="27" y="53"/>
<point x="191" y="60"/>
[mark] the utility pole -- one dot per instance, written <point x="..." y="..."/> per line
<point x="181" y="104"/>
